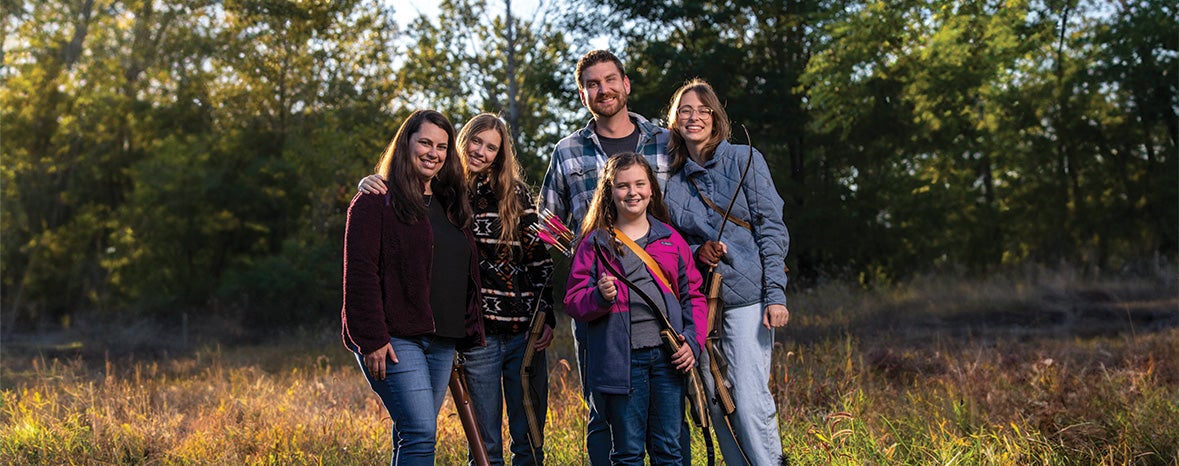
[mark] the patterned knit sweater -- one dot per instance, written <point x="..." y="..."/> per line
<point x="514" y="275"/>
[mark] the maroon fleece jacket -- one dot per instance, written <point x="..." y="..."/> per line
<point x="387" y="278"/>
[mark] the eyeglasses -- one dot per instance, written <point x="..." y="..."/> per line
<point x="686" y="112"/>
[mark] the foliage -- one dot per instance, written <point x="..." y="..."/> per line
<point x="477" y="58"/>
<point x="161" y="157"/>
<point x="907" y="136"/>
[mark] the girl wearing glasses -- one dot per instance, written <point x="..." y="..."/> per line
<point x="750" y="258"/>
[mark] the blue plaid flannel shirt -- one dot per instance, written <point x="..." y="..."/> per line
<point x="577" y="164"/>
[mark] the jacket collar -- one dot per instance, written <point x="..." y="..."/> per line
<point x="659" y="230"/>
<point x="692" y="168"/>
<point x="647" y="130"/>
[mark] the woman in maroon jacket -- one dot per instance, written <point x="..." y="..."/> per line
<point x="407" y="305"/>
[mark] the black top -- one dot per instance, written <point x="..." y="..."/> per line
<point x="628" y="143"/>
<point x="448" y="275"/>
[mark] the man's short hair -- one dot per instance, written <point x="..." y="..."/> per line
<point x="593" y="58"/>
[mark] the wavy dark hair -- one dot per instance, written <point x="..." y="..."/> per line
<point x="593" y="57"/>
<point x="405" y="186"/>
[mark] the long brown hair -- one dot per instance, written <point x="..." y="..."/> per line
<point x="405" y="187"/>
<point x="505" y="174"/>
<point x="603" y="213"/>
<point x="721" y="128"/>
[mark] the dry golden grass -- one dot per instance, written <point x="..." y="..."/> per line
<point x="277" y="404"/>
<point x="1011" y="370"/>
<point x="1031" y="368"/>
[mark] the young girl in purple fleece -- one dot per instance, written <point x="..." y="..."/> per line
<point x="636" y="383"/>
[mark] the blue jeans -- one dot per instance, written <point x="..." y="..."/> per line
<point x="748" y="347"/>
<point x="597" y="436"/>
<point x="597" y="432"/>
<point x="651" y="416"/>
<point x="493" y="379"/>
<point x="412" y="392"/>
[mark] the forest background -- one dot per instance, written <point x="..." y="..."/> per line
<point x="199" y="156"/>
<point x="983" y="200"/>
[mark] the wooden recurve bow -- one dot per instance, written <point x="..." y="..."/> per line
<point x="466" y="413"/>
<point x="718" y="366"/>
<point x="535" y="329"/>
<point x="696" y="393"/>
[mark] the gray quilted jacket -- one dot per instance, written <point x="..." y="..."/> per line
<point x="754" y="269"/>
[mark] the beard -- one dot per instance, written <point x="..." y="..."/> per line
<point x="600" y="111"/>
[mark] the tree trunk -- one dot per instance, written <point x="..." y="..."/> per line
<point x="1064" y="165"/>
<point x="513" y="116"/>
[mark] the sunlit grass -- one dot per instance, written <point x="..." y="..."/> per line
<point x="934" y="372"/>
<point x="221" y="407"/>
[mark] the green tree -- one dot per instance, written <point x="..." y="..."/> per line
<point x="173" y="156"/>
<point x="912" y="135"/>
<point x="68" y="136"/>
<point x="250" y="212"/>
<point x="1137" y="105"/>
<point x="480" y="57"/>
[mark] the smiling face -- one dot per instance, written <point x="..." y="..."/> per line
<point x="604" y="89"/>
<point x="693" y="119"/>
<point x="428" y="148"/>
<point x="482" y="149"/>
<point x="631" y="192"/>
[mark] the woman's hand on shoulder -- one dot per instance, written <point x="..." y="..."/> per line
<point x="372" y="184"/>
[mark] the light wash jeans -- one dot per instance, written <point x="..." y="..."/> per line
<point x="649" y="419"/>
<point x="493" y="379"/>
<point x="412" y="392"/>
<point x="748" y="347"/>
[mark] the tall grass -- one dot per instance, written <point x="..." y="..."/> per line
<point x="1008" y="370"/>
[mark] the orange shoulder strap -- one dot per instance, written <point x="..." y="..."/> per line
<point x="647" y="259"/>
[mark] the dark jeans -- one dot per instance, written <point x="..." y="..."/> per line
<point x="597" y="432"/>
<point x="597" y="436"/>
<point x="649" y="418"/>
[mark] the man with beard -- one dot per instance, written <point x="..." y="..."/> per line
<point x="573" y="174"/>
<point x="578" y="159"/>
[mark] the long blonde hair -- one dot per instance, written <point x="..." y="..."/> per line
<point x="505" y="176"/>
<point x="603" y="213"/>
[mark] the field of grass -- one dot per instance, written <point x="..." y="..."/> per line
<point x="1031" y="368"/>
